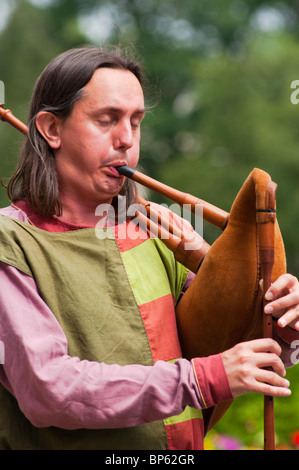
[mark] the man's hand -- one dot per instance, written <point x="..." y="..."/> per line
<point x="284" y="301"/>
<point x="246" y="364"/>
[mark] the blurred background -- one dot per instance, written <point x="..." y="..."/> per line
<point x="221" y="103"/>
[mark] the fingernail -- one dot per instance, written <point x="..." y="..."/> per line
<point x="269" y="296"/>
<point x="269" y="309"/>
<point x="282" y="322"/>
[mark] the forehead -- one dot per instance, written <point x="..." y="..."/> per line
<point x="113" y="87"/>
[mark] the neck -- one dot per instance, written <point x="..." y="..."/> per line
<point x="84" y="214"/>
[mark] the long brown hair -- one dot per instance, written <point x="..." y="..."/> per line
<point x="57" y="89"/>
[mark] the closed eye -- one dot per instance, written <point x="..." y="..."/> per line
<point x="106" y="123"/>
<point x="137" y="119"/>
<point x="135" y="125"/>
<point x="113" y="116"/>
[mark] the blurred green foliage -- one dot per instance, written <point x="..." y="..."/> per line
<point x="220" y="77"/>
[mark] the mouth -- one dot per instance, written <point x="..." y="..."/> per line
<point x="112" y="168"/>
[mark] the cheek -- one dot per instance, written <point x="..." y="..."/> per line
<point x="133" y="155"/>
<point x="80" y="135"/>
<point x="86" y="153"/>
<point x="133" y="160"/>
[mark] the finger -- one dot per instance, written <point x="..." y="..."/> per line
<point x="290" y="318"/>
<point x="271" y="378"/>
<point x="280" y="305"/>
<point x="270" y="361"/>
<point x="284" y="282"/>
<point x="275" y="390"/>
<point x="264" y="345"/>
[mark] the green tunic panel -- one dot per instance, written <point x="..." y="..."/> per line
<point x="83" y="280"/>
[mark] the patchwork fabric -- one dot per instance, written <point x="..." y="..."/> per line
<point x="132" y="285"/>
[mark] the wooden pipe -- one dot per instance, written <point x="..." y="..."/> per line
<point x="210" y="213"/>
<point x="6" y="115"/>
<point x="266" y="217"/>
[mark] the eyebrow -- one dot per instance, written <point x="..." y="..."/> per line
<point x="116" y="110"/>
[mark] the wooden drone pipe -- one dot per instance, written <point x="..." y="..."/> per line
<point x="6" y="115"/>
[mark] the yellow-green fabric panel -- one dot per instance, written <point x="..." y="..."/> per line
<point x="188" y="413"/>
<point x="162" y="274"/>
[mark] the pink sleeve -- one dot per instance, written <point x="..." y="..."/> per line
<point x="54" y="389"/>
<point x="212" y="380"/>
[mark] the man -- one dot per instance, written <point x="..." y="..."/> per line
<point x="92" y="356"/>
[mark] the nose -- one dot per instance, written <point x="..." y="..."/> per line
<point x="123" y="138"/>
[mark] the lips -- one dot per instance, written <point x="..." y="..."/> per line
<point x="113" y="171"/>
<point x="112" y="168"/>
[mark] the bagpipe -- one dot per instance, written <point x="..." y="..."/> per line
<point x="225" y="303"/>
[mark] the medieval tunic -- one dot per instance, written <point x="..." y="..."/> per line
<point x="92" y="356"/>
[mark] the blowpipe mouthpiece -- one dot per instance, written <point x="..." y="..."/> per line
<point x="125" y="171"/>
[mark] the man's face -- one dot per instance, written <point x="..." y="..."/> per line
<point x="102" y="132"/>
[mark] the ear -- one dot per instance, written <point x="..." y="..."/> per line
<point x="48" y="126"/>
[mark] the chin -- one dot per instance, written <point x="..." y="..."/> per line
<point x="106" y="195"/>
